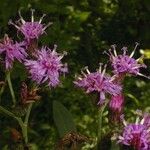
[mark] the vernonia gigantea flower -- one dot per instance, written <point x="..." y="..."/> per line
<point x="30" y="29"/>
<point x="46" y="67"/>
<point x="125" y="64"/>
<point x="136" y="135"/>
<point x="98" y="82"/>
<point x="12" y="51"/>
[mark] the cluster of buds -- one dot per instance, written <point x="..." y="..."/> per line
<point x="28" y="96"/>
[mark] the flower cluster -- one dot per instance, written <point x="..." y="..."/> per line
<point x="98" y="82"/>
<point x="44" y="64"/>
<point x="46" y="67"/>
<point x="136" y="135"/>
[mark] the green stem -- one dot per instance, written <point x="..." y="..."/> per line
<point x="2" y="89"/>
<point x="2" y="109"/>
<point x="7" y="112"/>
<point x="11" y="88"/>
<point x="25" y="127"/>
<point x="100" y="116"/>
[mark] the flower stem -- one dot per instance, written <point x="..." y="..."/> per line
<point x="2" y="90"/>
<point x="25" y="126"/>
<point x="4" y="110"/>
<point x="11" y="88"/>
<point x="100" y="116"/>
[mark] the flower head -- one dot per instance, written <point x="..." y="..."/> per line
<point x="12" y="51"/>
<point x="136" y="135"/>
<point x="116" y="106"/>
<point x="30" y="29"/>
<point x="125" y="64"/>
<point x="46" y="67"/>
<point x="98" y="82"/>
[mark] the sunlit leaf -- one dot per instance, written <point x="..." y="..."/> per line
<point x="146" y="53"/>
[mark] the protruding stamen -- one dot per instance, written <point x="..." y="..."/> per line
<point x="142" y="75"/>
<point x="114" y="77"/>
<point x="131" y="55"/>
<point x="50" y="23"/>
<point x="105" y="52"/>
<point x="55" y="47"/>
<point x="142" y="121"/>
<point x="111" y="54"/>
<point x="137" y="120"/>
<point x="21" y="18"/>
<point x="61" y="55"/>
<point x="124" y="50"/>
<point x="114" y="49"/>
<point x="87" y="70"/>
<point x="32" y="15"/>
<point x="120" y="137"/>
<point x="42" y="18"/>
<point x="104" y="70"/>
<point x="123" y="120"/>
<point x="79" y="78"/>
<point x="65" y="53"/>
<point x="76" y="76"/>
<point x="11" y="23"/>
<point x="83" y="73"/>
<point x="100" y="67"/>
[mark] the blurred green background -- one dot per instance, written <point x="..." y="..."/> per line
<point x="85" y="29"/>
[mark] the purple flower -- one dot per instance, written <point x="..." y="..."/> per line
<point x="116" y="106"/>
<point x="31" y="29"/>
<point x="98" y="82"/>
<point x="136" y="135"/>
<point x="12" y="51"/>
<point x="125" y="64"/>
<point x="46" y="67"/>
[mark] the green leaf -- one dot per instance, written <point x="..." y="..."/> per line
<point x="63" y="119"/>
<point x="82" y="15"/>
<point x="146" y="53"/>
